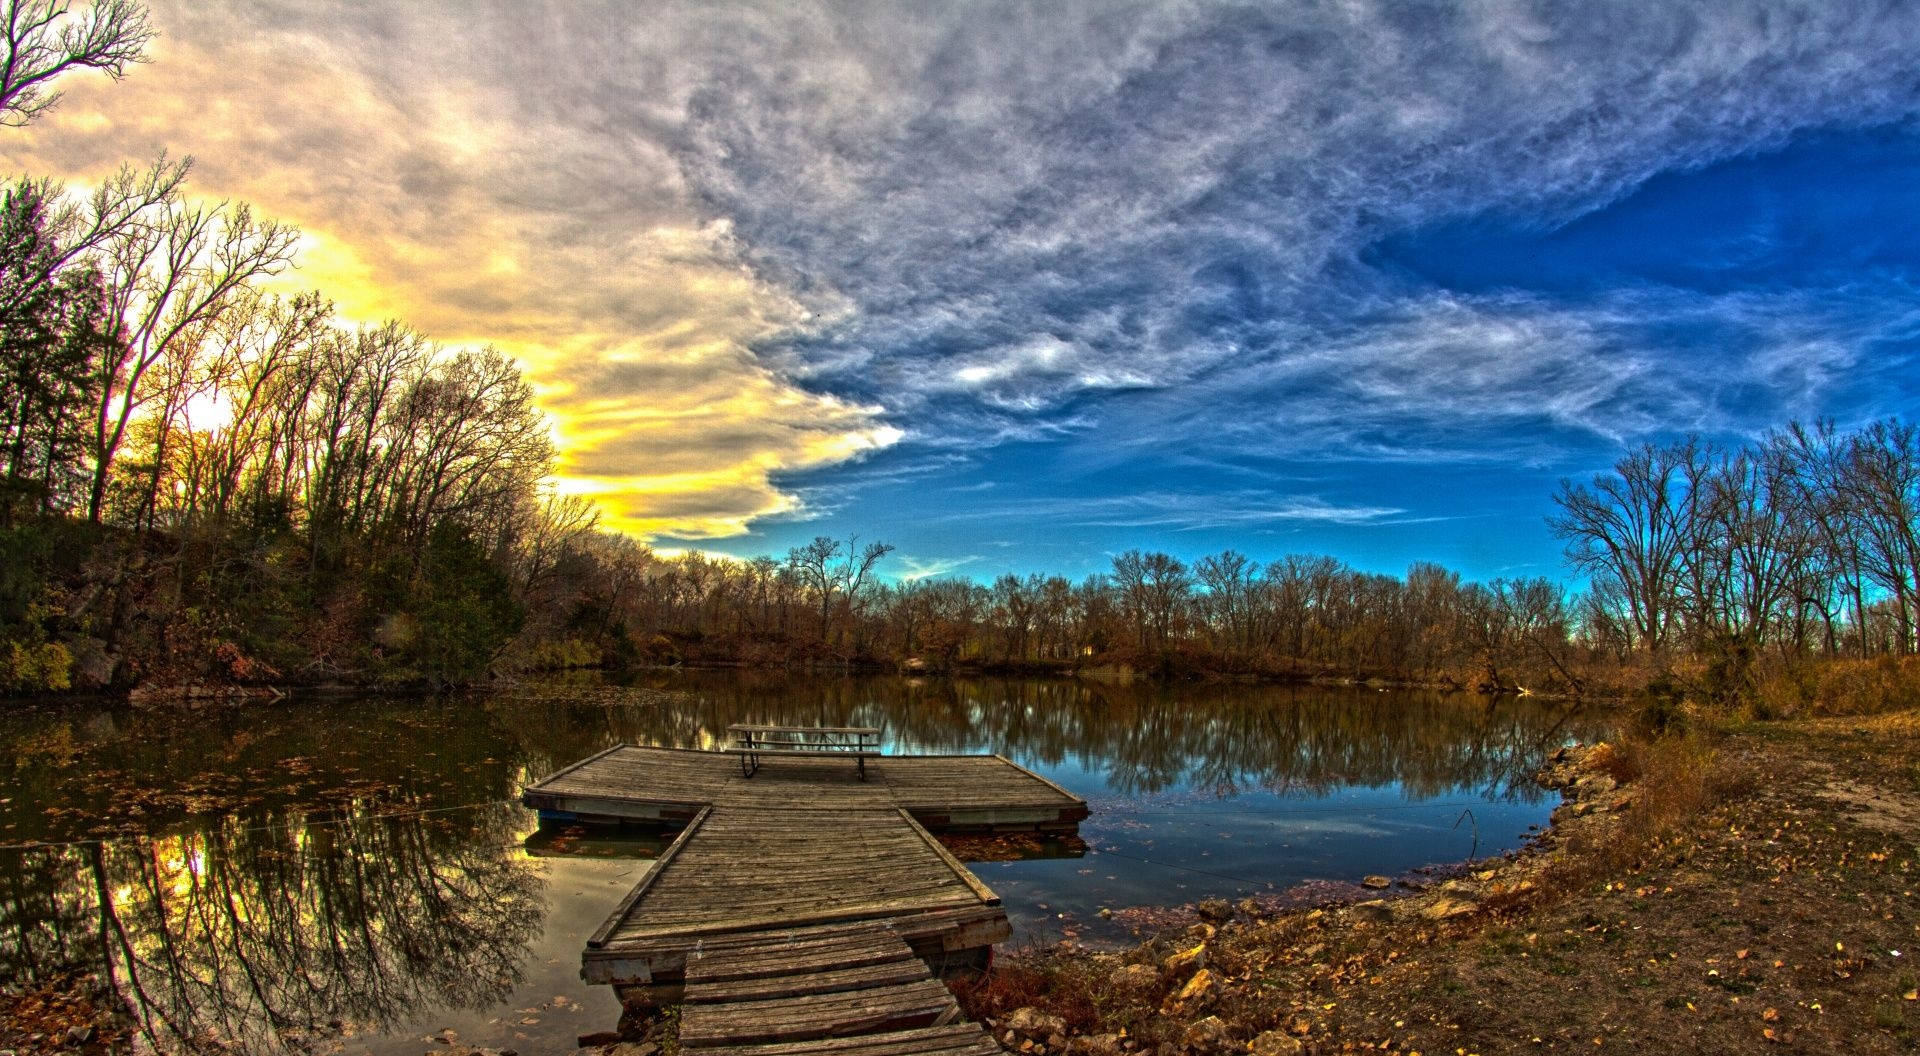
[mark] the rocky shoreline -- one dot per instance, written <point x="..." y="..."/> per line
<point x="1195" y="981"/>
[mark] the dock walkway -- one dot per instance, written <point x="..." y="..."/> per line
<point x="802" y="907"/>
<point x="789" y="991"/>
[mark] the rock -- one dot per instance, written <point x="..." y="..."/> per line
<point x="1097" y="1045"/>
<point x="1248" y="907"/>
<point x="1205" y="1035"/>
<point x="1275" y="1043"/>
<point x="1595" y="785"/>
<point x="1447" y="907"/>
<point x="1135" y="977"/>
<point x="1201" y="989"/>
<point x="1185" y="961"/>
<point x="1215" y="910"/>
<point x="1105" y="913"/>
<point x="1377" y="911"/>
<point x="1598" y="757"/>
<point x="80" y="1033"/>
<point x="1375" y="882"/>
<point x="1201" y="932"/>
<point x="93" y="665"/>
<point x="1034" y="1023"/>
<point x="632" y="1048"/>
<point x="598" y="1038"/>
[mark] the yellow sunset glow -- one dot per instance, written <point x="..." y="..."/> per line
<point x="637" y="326"/>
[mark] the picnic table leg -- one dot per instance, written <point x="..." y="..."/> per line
<point x="861" y="762"/>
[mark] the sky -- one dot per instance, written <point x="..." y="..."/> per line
<point x="1014" y="287"/>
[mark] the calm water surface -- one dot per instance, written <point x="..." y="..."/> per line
<point x="354" y="875"/>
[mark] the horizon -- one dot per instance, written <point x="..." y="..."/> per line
<point x="1016" y="291"/>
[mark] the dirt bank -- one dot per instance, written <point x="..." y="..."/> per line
<point x="1749" y="892"/>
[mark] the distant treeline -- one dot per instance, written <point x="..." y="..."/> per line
<point x="1709" y="572"/>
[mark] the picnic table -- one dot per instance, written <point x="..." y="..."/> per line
<point x="751" y="742"/>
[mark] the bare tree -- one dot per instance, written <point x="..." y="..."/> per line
<point x="44" y="39"/>
<point x="836" y="572"/>
<point x="1881" y="483"/>
<point x="1229" y="577"/>
<point x="1629" y="529"/>
<point x="171" y="280"/>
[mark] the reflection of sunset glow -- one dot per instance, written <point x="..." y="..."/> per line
<point x="240" y="929"/>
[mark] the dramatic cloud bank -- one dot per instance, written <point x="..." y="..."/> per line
<point x="743" y="244"/>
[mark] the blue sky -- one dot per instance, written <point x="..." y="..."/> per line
<point x="1414" y="388"/>
<point x="1014" y="287"/>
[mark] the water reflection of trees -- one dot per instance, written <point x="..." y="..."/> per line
<point x="1144" y="738"/>
<point x="243" y="934"/>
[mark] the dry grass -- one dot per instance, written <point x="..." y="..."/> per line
<point x="1786" y="689"/>
<point x="1075" y="988"/>
<point x="1674" y="780"/>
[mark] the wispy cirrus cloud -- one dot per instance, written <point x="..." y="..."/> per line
<point x="912" y="569"/>
<point x="1179" y="511"/>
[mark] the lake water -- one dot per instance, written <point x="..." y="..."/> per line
<point x="355" y="875"/>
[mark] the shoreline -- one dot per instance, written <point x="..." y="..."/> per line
<point x="1679" y="901"/>
<point x="209" y="692"/>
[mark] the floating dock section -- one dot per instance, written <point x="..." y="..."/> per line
<point x="945" y="793"/>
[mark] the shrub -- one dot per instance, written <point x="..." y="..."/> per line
<point x="1866" y="687"/>
<point x="43" y="668"/>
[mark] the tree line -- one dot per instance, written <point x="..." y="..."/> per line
<point x="187" y="455"/>
<point x="1699" y="561"/>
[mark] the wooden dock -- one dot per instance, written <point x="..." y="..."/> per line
<point x="804" y="909"/>
<point x="947" y="793"/>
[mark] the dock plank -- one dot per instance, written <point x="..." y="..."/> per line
<point x="922" y="1003"/>
<point x="962" y="1039"/>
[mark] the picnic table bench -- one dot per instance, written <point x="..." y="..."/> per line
<point x="751" y="742"/>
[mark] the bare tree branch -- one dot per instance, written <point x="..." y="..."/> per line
<point x="44" y="39"/>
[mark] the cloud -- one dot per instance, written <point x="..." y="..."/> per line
<point x="931" y="568"/>
<point x="1180" y="511"/>
<point x="740" y="245"/>
<point x="1166" y="192"/>
<point x="1519" y="379"/>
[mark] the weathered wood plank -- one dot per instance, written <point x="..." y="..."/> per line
<point x="838" y="1015"/>
<point x="805" y="978"/>
<point x="927" y="785"/>
<point x="633" y="897"/>
<point x="793" y="903"/>
<point x="963" y="1039"/>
